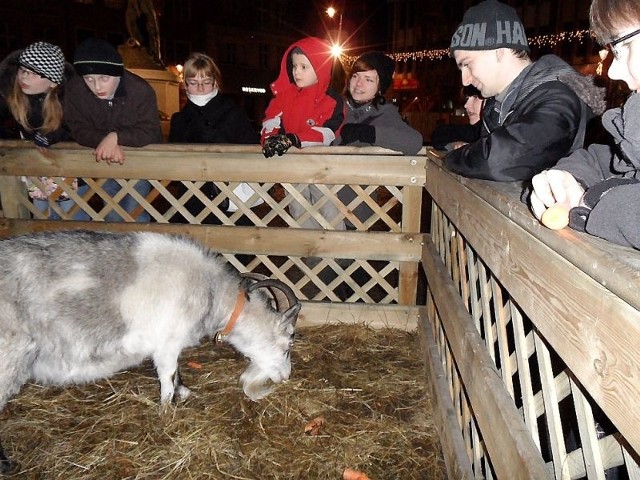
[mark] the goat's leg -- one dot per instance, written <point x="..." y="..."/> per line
<point x="181" y="390"/>
<point x="170" y="383"/>
<point x="16" y="355"/>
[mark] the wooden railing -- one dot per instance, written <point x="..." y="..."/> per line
<point x="531" y="337"/>
<point x="373" y="267"/>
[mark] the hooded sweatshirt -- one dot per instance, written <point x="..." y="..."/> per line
<point x="613" y="172"/>
<point x="540" y="118"/>
<point x="313" y="113"/>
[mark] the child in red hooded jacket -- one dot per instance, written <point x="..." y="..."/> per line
<point x="304" y="111"/>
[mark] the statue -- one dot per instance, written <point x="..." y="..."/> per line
<point x="142" y="25"/>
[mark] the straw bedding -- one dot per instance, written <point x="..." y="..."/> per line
<point x="367" y="386"/>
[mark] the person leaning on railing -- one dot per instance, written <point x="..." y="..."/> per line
<point x="451" y="136"/>
<point x="107" y="107"/>
<point x="535" y="113"/>
<point x="601" y="184"/>
<point x="31" y="89"/>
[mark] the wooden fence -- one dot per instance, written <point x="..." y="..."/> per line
<point x="529" y="336"/>
<point x="373" y="266"/>
<point x="532" y="339"/>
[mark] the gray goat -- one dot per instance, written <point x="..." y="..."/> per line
<point x="77" y="306"/>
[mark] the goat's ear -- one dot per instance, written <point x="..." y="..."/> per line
<point x="291" y="315"/>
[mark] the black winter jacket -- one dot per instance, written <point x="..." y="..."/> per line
<point x="219" y="121"/>
<point x="542" y="118"/>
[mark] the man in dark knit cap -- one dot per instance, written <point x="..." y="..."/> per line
<point x="535" y="112"/>
<point x="107" y="107"/>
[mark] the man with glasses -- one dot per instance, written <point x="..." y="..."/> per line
<point x="535" y="112"/>
<point x="600" y="186"/>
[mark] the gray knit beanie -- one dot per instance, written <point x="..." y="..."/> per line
<point x="488" y="26"/>
<point x="45" y="59"/>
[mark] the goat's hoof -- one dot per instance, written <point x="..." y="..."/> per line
<point x="182" y="393"/>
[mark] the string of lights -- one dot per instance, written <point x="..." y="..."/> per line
<point x="550" y="40"/>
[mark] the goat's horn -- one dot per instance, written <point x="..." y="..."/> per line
<point x="279" y="289"/>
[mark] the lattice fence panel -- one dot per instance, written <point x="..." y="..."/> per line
<point x="364" y="208"/>
<point x="574" y="437"/>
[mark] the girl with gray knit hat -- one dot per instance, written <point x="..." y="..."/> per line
<point x="31" y="82"/>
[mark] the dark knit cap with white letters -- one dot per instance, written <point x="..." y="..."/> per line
<point x="97" y="57"/>
<point x="488" y="26"/>
<point x="45" y="59"/>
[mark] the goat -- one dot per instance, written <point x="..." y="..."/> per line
<point x="76" y="306"/>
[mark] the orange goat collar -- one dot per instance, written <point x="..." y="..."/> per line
<point x="233" y="319"/>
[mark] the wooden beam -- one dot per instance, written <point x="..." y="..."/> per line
<point x="512" y="452"/>
<point x="387" y="246"/>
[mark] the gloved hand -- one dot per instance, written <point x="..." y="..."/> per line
<point x="40" y="140"/>
<point x="357" y="132"/>
<point x="578" y="216"/>
<point x="279" y="144"/>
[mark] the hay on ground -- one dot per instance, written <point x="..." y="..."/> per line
<point x="366" y="384"/>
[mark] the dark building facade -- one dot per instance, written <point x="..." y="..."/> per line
<point x="248" y="37"/>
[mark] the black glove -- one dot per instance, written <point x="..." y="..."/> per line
<point x="578" y="216"/>
<point x="279" y="144"/>
<point x="357" y="132"/>
<point x="40" y="140"/>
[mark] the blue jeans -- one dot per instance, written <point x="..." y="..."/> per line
<point x="128" y="203"/>
<point x="65" y="206"/>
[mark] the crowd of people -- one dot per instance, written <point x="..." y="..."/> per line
<point x="527" y="118"/>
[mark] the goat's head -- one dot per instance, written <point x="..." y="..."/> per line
<point x="265" y="335"/>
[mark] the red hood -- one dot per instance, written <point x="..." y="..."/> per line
<point x="319" y="54"/>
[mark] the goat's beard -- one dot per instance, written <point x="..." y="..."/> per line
<point x="256" y="382"/>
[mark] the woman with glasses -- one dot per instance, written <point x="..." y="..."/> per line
<point x="209" y="116"/>
<point x="600" y="186"/>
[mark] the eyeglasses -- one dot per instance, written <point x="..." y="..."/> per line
<point x="207" y="82"/>
<point x="614" y="46"/>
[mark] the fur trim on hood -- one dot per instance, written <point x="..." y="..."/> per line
<point x="550" y="68"/>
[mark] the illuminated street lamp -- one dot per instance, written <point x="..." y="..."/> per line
<point x="331" y="13"/>
<point x="336" y="50"/>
